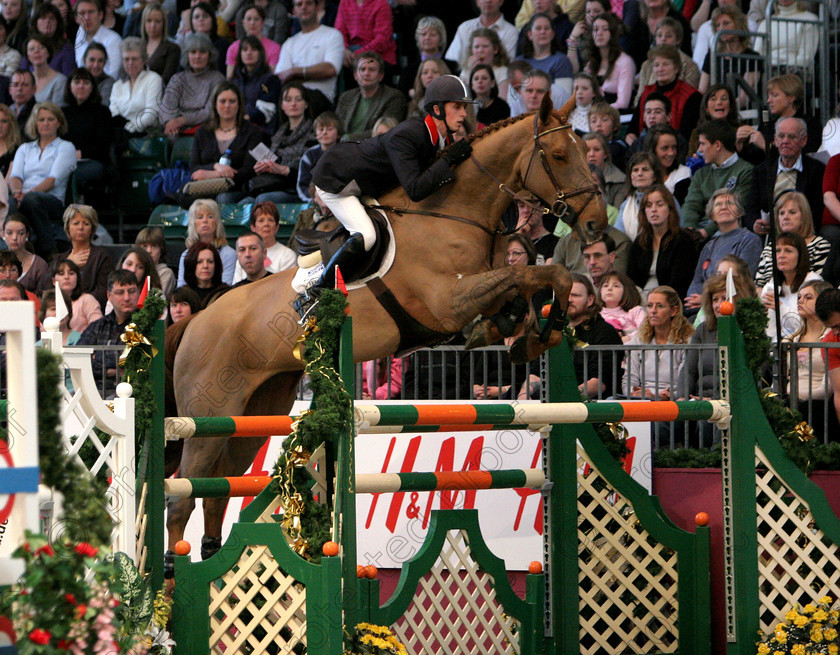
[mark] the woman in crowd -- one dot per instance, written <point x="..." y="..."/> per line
<point x="486" y="48"/>
<point x="663" y="143"/>
<point x="643" y="172"/>
<point x="151" y="239"/>
<point x="203" y="272"/>
<point x="86" y="309"/>
<point x="227" y="130"/>
<point x="621" y="304"/>
<point x="264" y="221"/>
<point x="182" y="303"/>
<point x="430" y="69"/>
<point x="430" y="38"/>
<point x="586" y="92"/>
<point x="277" y="25"/>
<point x="9" y="138"/>
<point x="598" y="154"/>
<point x="655" y="373"/>
<point x="10" y="59"/>
<point x="49" y="84"/>
<point x="203" y="21"/>
<point x="36" y="272"/>
<point x="793" y="270"/>
<point x="136" y="94"/>
<point x="277" y="181"/>
<point x="581" y="37"/>
<point x="793" y="214"/>
<point x="663" y="253"/>
<point x="39" y="175"/>
<point x="253" y="22"/>
<point x="732" y="50"/>
<point x="668" y="32"/>
<point x="186" y="101"/>
<point x="795" y="35"/>
<point x="87" y="130"/>
<point x="541" y="50"/>
<point x="614" y="70"/>
<point x="641" y="26"/>
<point x="162" y="55"/>
<point x="139" y="261"/>
<point x="111" y="19"/>
<point x="491" y="107"/>
<point x="69" y="336"/>
<point x="95" y="59"/>
<point x="259" y="85"/>
<point x="94" y="262"/>
<point x="48" y="23"/>
<point x="65" y="9"/>
<point x="205" y="226"/>
<point x="718" y="103"/>
<point x="14" y="13"/>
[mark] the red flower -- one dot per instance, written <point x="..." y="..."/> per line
<point x="80" y="610"/>
<point x="63" y="644"/>
<point x="86" y="550"/>
<point x="70" y="598"/>
<point x="39" y="636"/>
<point x="46" y="550"/>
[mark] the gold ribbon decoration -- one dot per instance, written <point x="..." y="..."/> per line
<point x="618" y="430"/>
<point x="804" y="432"/>
<point x="132" y="338"/>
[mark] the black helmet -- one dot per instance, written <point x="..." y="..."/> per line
<point x="446" y="88"/>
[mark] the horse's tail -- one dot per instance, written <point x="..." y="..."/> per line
<point x="172" y="339"/>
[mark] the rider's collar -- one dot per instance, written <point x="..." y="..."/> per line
<point x="438" y="140"/>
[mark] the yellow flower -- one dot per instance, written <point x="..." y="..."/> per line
<point x="781" y="637"/>
<point x="820" y="615"/>
<point x="809" y="609"/>
<point x="781" y="627"/>
<point x="791" y="615"/>
<point x="798" y="649"/>
<point x="763" y="649"/>
<point x="825" y="600"/>
<point x="833" y="649"/>
<point x="830" y="634"/>
<point x="801" y="621"/>
<point x="816" y="636"/>
<point x="778" y="652"/>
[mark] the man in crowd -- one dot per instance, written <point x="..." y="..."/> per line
<point x="22" y="91"/>
<point x="123" y="294"/>
<point x="89" y="15"/>
<point x="360" y="108"/>
<point x="569" y="251"/>
<point x="251" y="254"/>
<point x="599" y="258"/>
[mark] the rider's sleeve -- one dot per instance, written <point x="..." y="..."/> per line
<point x="407" y="158"/>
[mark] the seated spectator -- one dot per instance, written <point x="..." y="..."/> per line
<point x="9" y="290"/>
<point x="264" y="222"/>
<point x="685" y="99"/>
<point x="595" y="370"/>
<point x="222" y="29"/>
<point x="86" y="308"/>
<point x="277" y="24"/>
<point x="47" y="22"/>
<point x="49" y="84"/>
<point x="15" y="14"/>
<point x="489" y="18"/>
<point x="381" y="381"/>
<point x="259" y="85"/>
<point x="718" y="104"/>
<point x="794" y="37"/>
<point x="725" y="210"/>
<point x="253" y="22"/>
<point x="203" y="21"/>
<point x="89" y="15"/>
<point x="534" y="88"/>
<point x="830" y="228"/>
<point x="11" y="269"/>
<point x="9" y="139"/>
<point x="621" y="302"/>
<point x="599" y="259"/>
<point x="139" y="261"/>
<point x="360" y="108"/>
<point x="367" y="27"/>
<point x="161" y="54"/>
<point x="569" y="252"/>
<point x="669" y="32"/>
<point x="250" y="258"/>
<point x="606" y="120"/>
<point x="205" y="226"/>
<point x="151" y="239"/>
<point x="663" y="143"/>
<point x="491" y="108"/>
<point x="793" y="268"/>
<point x="793" y="214"/>
<point x="598" y="154"/>
<point x="136" y="94"/>
<point x="182" y="303"/>
<point x="724" y="169"/>
<point x="431" y="68"/>
<point x="790" y="169"/>
<point x="640" y="22"/>
<point x="827" y="309"/>
<point x="430" y="39"/>
<point x="112" y="20"/>
<point x="643" y="172"/>
<point x="313" y="55"/>
<point x="657" y="112"/>
<point x="614" y="69"/>
<point x="39" y="176"/>
<point x="327" y="128"/>
<point x="227" y="131"/>
<point x="383" y="125"/>
<point x="731" y="50"/>
<point x="785" y="99"/>
<point x="186" y="100"/>
<point x="202" y="272"/>
<point x="123" y="294"/>
<point x="542" y="50"/>
<point x="9" y="58"/>
<point x="581" y="35"/>
<point x="663" y="254"/>
<point x="276" y="181"/>
<point x="87" y="119"/>
<point x="69" y="336"/>
<point x="560" y="22"/>
<point x="94" y="262"/>
<point x="586" y="92"/>
<point x="518" y="70"/>
<point x="35" y="272"/>
<point x="65" y="8"/>
<point x="701" y="24"/>
<point x="95" y="59"/>
<point x="531" y="223"/>
<point x="485" y="48"/>
<point x="22" y="92"/>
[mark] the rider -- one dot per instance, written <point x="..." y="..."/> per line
<point x="405" y="155"/>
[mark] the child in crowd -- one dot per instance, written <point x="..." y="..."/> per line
<point x="586" y="92"/>
<point x="622" y="304"/>
<point x="152" y="240"/>
<point x="327" y="128"/>
<point x="606" y="120"/>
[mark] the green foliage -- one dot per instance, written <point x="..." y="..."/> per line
<point x="689" y="458"/>
<point x="751" y="317"/>
<point x="138" y="598"/>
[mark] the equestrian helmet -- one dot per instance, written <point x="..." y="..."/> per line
<point x="446" y="88"/>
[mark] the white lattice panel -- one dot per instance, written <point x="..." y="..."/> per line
<point x="628" y="582"/>
<point x="140" y="526"/>
<point x="255" y="604"/>
<point x="455" y="610"/>
<point x="796" y="562"/>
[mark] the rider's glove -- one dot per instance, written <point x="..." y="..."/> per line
<point x="457" y="152"/>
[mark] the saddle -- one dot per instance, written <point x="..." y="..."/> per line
<point x="310" y="243"/>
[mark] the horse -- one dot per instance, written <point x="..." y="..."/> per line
<point x="236" y="357"/>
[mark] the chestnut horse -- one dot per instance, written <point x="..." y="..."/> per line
<point x="236" y="357"/>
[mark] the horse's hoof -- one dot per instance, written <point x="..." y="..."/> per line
<point x="519" y="351"/>
<point x="484" y="333"/>
<point x="210" y="546"/>
<point x="168" y="565"/>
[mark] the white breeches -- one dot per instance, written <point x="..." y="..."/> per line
<point x="351" y="214"/>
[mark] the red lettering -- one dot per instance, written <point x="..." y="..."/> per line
<point x="524" y="494"/>
<point x="407" y="467"/>
<point x="446" y="462"/>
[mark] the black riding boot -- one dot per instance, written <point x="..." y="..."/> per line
<point x="349" y="259"/>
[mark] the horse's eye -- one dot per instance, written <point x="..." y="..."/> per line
<point x="558" y="156"/>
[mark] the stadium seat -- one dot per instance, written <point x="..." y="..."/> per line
<point x="181" y="150"/>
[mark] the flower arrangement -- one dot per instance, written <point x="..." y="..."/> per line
<point x="811" y="630"/>
<point x="369" y="639"/>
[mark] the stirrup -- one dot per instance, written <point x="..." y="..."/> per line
<point x="168" y="565"/>
<point x="210" y="546"/>
<point x="304" y="304"/>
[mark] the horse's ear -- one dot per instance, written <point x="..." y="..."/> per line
<point x="546" y="107"/>
<point x="567" y="109"/>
